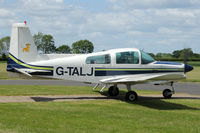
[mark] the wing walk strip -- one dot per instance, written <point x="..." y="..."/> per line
<point x="19" y="62"/>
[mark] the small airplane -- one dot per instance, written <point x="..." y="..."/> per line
<point x="127" y="66"/>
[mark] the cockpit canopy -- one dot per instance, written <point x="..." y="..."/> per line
<point x="124" y="57"/>
<point x="146" y="58"/>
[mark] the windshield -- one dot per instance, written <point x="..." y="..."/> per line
<point x="146" y="58"/>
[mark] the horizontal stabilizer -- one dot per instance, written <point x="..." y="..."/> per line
<point x="23" y="72"/>
<point x="30" y="72"/>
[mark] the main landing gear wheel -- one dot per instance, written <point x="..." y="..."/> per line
<point x="131" y="96"/>
<point x="167" y="93"/>
<point x="113" y="91"/>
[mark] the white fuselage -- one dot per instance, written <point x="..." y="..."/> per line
<point x="75" y="68"/>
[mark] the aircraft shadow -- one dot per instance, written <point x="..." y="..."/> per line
<point x="48" y="99"/>
<point x="160" y="104"/>
<point x="147" y="101"/>
<point x="157" y="102"/>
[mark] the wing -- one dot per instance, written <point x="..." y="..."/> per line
<point x="142" y="78"/>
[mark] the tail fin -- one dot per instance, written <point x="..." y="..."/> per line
<point x="22" y="47"/>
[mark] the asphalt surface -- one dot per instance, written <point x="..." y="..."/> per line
<point x="189" y="88"/>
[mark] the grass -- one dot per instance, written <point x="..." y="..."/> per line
<point x="27" y="90"/>
<point x="193" y="76"/>
<point x="104" y="116"/>
<point x="194" y="63"/>
<point x="3" y="72"/>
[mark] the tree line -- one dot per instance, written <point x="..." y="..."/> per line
<point x="45" y="44"/>
<point x="178" y="55"/>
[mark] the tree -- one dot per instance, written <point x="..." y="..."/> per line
<point x="47" y="46"/>
<point x="176" y="53"/>
<point x="82" y="46"/>
<point x="44" y="43"/>
<point x="5" y="44"/>
<point x="1" y="47"/>
<point x="186" y="53"/>
<point x="38" y="40"/>
<point x="3" y="57"/>
<point x="63" y="49"/>
<point x="158" y="55"/>
<point x="196" y="55"/>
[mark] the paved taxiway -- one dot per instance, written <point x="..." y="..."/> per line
<point x="60" y="98"/>
<point x="190" y="88"/>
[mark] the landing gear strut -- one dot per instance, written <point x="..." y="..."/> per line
<point x="167" y="93"/>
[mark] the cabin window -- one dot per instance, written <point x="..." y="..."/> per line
<point x="99" y="59"/>
<point x="127" y="58"/>
<point x="146" y="58"/>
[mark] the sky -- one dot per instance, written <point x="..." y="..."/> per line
<point x="151" y="25"/>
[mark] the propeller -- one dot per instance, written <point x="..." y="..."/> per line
<point x="187" y="67"/>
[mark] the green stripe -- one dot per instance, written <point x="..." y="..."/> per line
<point x="29" y="66"/>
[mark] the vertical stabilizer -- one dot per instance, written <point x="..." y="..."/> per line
<point x="22" y="46"/>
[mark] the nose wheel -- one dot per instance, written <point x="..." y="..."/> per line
<point x="167" y="93"/>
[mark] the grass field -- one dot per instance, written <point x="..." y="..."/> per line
<point x="194" y="63"/>
<point x="106" y="116"/>
<point x="99" y="116"/>
<point x="27" y="90"/>
<point x="3" y="72"/>
<point x="193" y="76"/>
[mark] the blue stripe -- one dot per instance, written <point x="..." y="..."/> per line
<point x="11" y="64"/>
<point x="168" y="63"/>
<point x="29" y="64"/>
<point x="131" y="72"/>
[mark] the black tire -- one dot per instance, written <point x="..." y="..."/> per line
<point x="167" y="93"/>
<point x="131" y="96"/>
<point x="113" y="91"/>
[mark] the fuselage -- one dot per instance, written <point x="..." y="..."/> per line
<point x="95" y="67"/>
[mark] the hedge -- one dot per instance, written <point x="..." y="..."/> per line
<point x="177" y="59"/>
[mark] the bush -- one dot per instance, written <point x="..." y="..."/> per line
<point x="3" y="57"/>
<point x="177" y="59"/>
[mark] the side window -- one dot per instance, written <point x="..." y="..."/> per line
<point x="127" y="58"/>
<point x="99" y="59"/>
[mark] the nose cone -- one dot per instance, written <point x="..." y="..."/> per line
<point x="188" y="68"/>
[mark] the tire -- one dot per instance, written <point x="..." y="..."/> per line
<point x="167" y="93"/>
<point x="113" y="91"/>
<point x="131" y="96"/>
